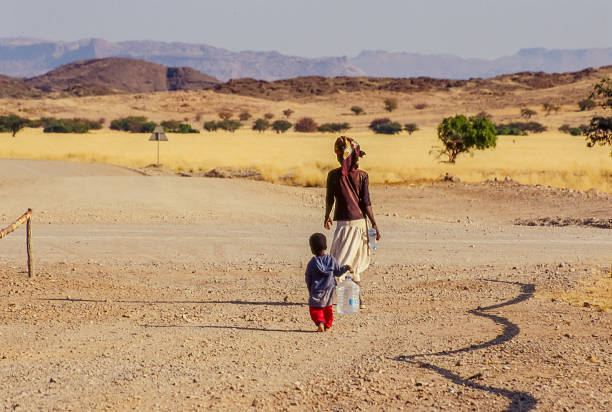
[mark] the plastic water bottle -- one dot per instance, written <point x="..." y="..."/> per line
<point x="348" y="297"/>
<point x="372" y="238"/>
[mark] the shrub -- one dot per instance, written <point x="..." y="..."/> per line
<point x="519" y="128"/>
<point x="378" y="121"/>
<point x="357" y="110"/>
<point x="52" y="125"/>
<point x="411" y="127"/>
<point x="268" y="116"/>
<point x="229" y="125"/>
<point x="225" y="115"/>
<point x="549" y="107"/>
<point x="170" y="125"/>
<point x="288" y="113"/>
<point x="281" y="126"/>
<point x="305" y="125"/>
<point x="390" y="104"/>
<point x="599" y="130"/>
<point x="574" y="131"/>
<point x="210" y="126"/>
<point x="261" y="125"/>
<point x="420" y="106"/>
<point x="13" y="123"/>
<point x="134" y="124"/>
<point x="244" y="116"/>
<point x="186" y="128"/>
<point x="526" y="113"/>
<point x="586" y="104"/>
<point x="459" y="134"/>
<point x="388" y="128"/>
<point x="334" y="127"/>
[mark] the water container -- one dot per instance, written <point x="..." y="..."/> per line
<point x="372" y="238"/>
<point x="348" y="297"/>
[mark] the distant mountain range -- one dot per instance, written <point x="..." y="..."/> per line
<point x="25" y="57"/>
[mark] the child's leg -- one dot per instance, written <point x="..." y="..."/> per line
<point x="328" y="312"/>
<point x="317" y="315"/>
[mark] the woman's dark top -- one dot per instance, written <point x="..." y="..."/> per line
<point x="350" y="192"/>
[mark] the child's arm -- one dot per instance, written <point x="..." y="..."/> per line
<point x="308" y="280"/>
<point x="339" y="271"/>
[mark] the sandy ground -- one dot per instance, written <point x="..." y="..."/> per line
<point x="165" y="292"/>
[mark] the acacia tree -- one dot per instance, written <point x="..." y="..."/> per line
<point x="390" y="104"/>
<point x="13" y="123"/>
<point x="459" y="134"/>
<point x="526" y="113"/>
<point x="599" y="131"/>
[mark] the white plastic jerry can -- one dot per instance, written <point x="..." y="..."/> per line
<point x="348" y="297"/>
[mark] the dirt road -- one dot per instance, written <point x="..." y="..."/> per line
<point x="186" y="293"/>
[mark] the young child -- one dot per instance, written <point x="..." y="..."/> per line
<point x="321" y="274"/>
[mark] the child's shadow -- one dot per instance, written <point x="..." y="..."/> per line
<point x="231" y="327"/>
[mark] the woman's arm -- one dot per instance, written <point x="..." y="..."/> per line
<point x="329" y="203"/>
<point x="370" y="214"/>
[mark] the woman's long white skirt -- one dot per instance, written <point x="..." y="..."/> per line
<point x="350" y="246"/>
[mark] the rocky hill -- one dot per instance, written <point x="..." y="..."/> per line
<point x="123" y="75"/>
<point x="107" y="76"/>
<point x="23" y="57"/>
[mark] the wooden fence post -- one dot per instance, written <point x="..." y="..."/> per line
<point x="29" y="245"/>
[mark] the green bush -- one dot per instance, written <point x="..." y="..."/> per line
<point x="261" y="125"/>
<point x="599" y="130"/>
<point x="334" y="127"/>
<point x="519" y="128"/>
<point x="411" y="127"/>
<point x="459" y="134"/>
<point x="586" y="104"/>
<point x="388" y="128"/>
<point x="384" y="125"/>
<point x="52" y="125"/>
<point x="281" y="126"/>
<point x="134" y="124"/>
<point x="305" y="125"/>
<point x="574" y="131"/>
<point x="174" y="126"/>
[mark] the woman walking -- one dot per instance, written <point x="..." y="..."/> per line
<point x="347" y="187"/>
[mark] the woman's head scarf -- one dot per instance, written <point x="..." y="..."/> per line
<point x="348" y="152"/>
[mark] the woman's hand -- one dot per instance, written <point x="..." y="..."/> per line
<point x="378" y="234"/>
<point x="328" y="223"/>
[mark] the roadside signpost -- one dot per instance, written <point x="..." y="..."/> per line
<point x="160" y="136"/>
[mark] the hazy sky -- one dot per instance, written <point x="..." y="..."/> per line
<point x="469" y="28"/>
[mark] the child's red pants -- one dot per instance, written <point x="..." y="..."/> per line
<point x="322" y="315"/>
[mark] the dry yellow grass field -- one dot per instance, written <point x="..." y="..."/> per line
<point x="550" y="158"/>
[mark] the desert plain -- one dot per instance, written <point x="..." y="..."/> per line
<point x="156" y="288"/>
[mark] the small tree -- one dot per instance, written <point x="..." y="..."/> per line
<point x="225" y="115"/>
<point x="229" y="125"/>
<point x="459" y="134"/>
<point x="357" y="110"/>
<point x="288" y="113"/>
<point x="244" y="116"/>
<point x="268" y="116"/>
<point x="390" y="104"/>
<point x="13" y="123"/>
<point x="599" y="131"/>
<point x="261" y="125"/>
<point x="210" y="126"/>
<point x="305" y="125"/>
<point x="526" y="113"/>
<point x="281" y="126"/>
<point x="411" y="127"/>
<point x="586" y="104"/>
<point x="549" y="108"/>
